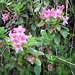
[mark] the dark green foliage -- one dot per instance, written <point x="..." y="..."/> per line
<point x="49" y="39"/>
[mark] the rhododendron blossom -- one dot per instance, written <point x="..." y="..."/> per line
<point x="65" y="20"/>
<point x="18" y="37"/>
<point x="19" y="29"/>
<point x="46" y="14"/>
<point x="55" y="13"/>
<point x="61" y="7"/>
<point x="5" y="17"/>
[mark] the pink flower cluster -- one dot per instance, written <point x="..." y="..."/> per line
<point x="18" y="37"/>
<point x="5" y="17"/>
<point x="53" y="13"/>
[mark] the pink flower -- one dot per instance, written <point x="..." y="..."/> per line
<point x="51" y="13"/>
<point x="30" y="34"/>
<point x="17" y="47"/>
<point x="5" y="10"/>
<point x="61" y="7"/>
<point x="46" y="13"/>
<point x="41" y="15"/>
<point x="5" y="17"/>
<point x="57" y="13"/>
<point x="14" y="16"/>
<point x="19" y="29"/>
<point x="18" y="37"/>
<point x="23" y="38"/>
<point x="65" y="20"/>
<point x="44" y="10"/>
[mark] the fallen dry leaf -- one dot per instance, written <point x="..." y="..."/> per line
<point x="42" y="47"/>
<point x="51" y="30"/>
<point x="49" y="52"/>
<point x="42" y="23"/>
<point x="30" y="58"/>
<point x="50" y="67"/>
<point x="1" y="45"/>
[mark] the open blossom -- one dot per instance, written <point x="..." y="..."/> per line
<point x="65" y="20"/>
<point x="46" y="13"/>
<point x="57" y="13"/>
<point x="61" y="7"/>
<point x="17" y="47"/>
<point x="19" y="29"/>
<point x="18" y="37"/>
<point x="5" y="17"/>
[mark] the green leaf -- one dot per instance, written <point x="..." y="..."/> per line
<point x="30" y="40"/>
<point x="33" y="27"/>
<point x="21" y="20"/>
<point x="47" y="56"/>
<point x="37" y="61"/>
<point x="24" y="15"/>
<point x="2" y="1"/>
<point x="17" y="7"/>
<point x="9" y="3"/>
<point x="65" y="27"/>
<point x="41" y="24"/>
<point x="36" y="1"/>
<point x="46" y="2"/>
<point x="21" y="6"/>
<point x="54" y="1"/>
<point x="64" y="33"/>
<point x="37" y="70"/>
<point x="54" y="21"/>
<point x="7" y="66"/>
<point x="43" y="33"/>
<point x="2" y="30"/>
<point x="52" y="35"/>
<point x="37" y="8"/>
<point x="57" y="38"/>
<point x="10" y="65"/>
<point x="35" y="52"/>
<point x="6" y="38"/>
<point x="50" y="58"/>
<point x="9" y="43"/>
<point x="58" y="27"/>
<point x="30" y="7"/>
<point x="62" y="14"/>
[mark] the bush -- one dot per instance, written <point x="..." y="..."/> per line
<point x="34" y="38"/>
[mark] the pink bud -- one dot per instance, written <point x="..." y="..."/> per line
<point x="48" y="5"/>
<point x="5" y="10"/>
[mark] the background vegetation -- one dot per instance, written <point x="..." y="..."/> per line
<point x="47" y="52"/>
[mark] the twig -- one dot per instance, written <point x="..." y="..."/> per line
<point x="72" y="72"/>
<point x="3" y="52"/>
<point x="64" y="61"/>
<point x="57" y="2"/>
<point x="66" y="6"/>
<point x="73" y="35"/>
<point x="64" y="51"/>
